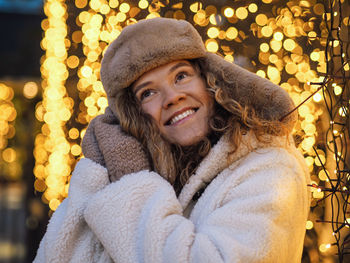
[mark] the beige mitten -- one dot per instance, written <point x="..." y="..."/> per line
<point x="106" y="144"/>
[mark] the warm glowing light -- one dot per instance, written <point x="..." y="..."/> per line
<point x="30" y="90"/>
<point x="337" y="90"/>
<point x="275" y="45"/>
<point x="9" y="155"/>
<point x="315" y="56"/>
<point x="231" y="33"/>
<point x="54" y="203"/>
<point x="80" y="3"/>
<point x="261" y="19"/>
<point x="50" y="152"/>
<point x="291" y="68"/>
<point x="72" y="61"/>
<point x="143" y="4"/>
<point x="73" y="133"/>
<point x="212" y="46"/>
<point x="273" y="74"/>
<point x="121" y="17"/>
<point x="289" y="44"/>
<point x="317" y="97"/>
<point x="266" y="31"/>
<point x="229" y="58"/>
<point x="253" y="8"/>
<point x="124" y="7"/>
<point x="309" y="225"/>
<point x="242" y="13"/>
<point x="343" y="111"/>
<point x="115" y="3"/>
<point x="195" y="7"/>
<point x="76" y="150"/>
<point x="278" y="36"/>
<point x="213" y="32"/>
<point x="264" y="47"/>
<point x="229" y="12"/>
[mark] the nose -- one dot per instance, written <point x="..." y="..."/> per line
<point x="172" y="96"/>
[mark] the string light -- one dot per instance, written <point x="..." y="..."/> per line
<point x="10" y="166"/>
<point x="279" y="57"/>
<point x="51" y="150"/>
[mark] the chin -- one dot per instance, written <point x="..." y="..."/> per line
<point x="185" y="142"/>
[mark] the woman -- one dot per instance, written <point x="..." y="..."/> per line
<point x="201" y="167"/>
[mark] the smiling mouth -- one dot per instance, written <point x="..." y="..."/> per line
<point x="180" y="116"/>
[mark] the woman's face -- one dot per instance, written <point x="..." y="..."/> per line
<point x="175" y="96"/>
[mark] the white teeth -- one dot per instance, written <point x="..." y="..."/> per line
<point x="181" y="116"/>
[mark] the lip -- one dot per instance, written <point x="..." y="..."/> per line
<point x="167" y="123"/>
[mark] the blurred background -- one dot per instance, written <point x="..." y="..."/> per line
<point x="50" y="89"/>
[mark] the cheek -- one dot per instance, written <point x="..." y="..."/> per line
<point x="153" y="110"/>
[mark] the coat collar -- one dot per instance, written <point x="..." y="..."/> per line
<point x="217" y="160"/>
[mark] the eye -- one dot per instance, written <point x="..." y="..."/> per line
<point x="180" y="76"/>
<point x="145" y="94"/>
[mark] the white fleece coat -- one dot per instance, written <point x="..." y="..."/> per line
<point x="254" y="209"/>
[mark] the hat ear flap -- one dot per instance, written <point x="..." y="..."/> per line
<point x="269" y="100"/>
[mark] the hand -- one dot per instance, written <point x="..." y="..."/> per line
<point x="106" y="144"/>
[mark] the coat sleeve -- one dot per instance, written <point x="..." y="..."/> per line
<point x="68" y="237"/>
<point x="253" y="213"/>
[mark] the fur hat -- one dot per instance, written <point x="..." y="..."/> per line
<point x="151" y="43"/>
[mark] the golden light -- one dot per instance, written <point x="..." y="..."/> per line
<point x="195" y="7"/>
<point x="343" y="111"/>
<point x="264" y="47"/>
<point x="9" y="155"/>
<point x="253" y="8"/>
<point x="266" y="31"/>
<point x="213" y="32"/>
<point x="212" y="45"/>
<point x="337" y="90"/>
<point x="124" y="7"/>
<point x="273" y="74"/>
<point x="143" y="4"/>
<point x="73" y="61"/>
<point x="289" y="44"/>
<point x="76" y="150"/>
<point x="73" y="133"/>
<point x="54" y="203"/>
<point x="291" y="68"/>
<point x="309" y="225"/>
<point x="30" y="90"/>
<point x="54" y="111"/>
<point x="105" y="9"/>
<point x="322" y="175"/>
<point x="261" y="73"/>
<point x="275" y="45"/>
<point x="278" y="36"/>
<point x="231" y="33"/>
<point x="229" y="58"/>
<point x="261" y="19"/>
<point x="80" y="3"/>
<point x="315" y="56"/>
<point x="324" y="247"/>
<point x="115" y="3"/>
<point x="6" y="93"/>
<point x="229" y="12"/>
<point x="242" y="13"/>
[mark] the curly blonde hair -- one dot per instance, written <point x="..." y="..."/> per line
<point x="175" y="163"/>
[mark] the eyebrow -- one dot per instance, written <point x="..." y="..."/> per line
<point x="171" y="70"/>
